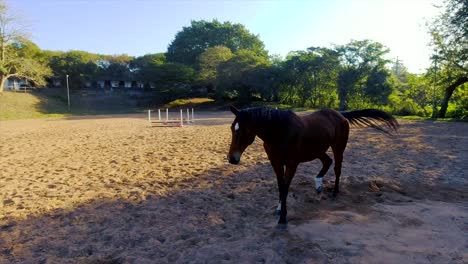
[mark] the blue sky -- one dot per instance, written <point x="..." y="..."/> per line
<point x="142" y="26"/>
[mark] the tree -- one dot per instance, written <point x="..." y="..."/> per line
<point x="19" y="57"/>
<point x="81" y="66"/>
<point x="116" y="67"/>
<point x="358" y="59"/>
<point x="378" y="87"/>
<point x="209" y="62"/>
<point x="201" y="35"/>
<point x="310" y="77"/>
<point x="399" y="70"/>
<point x="237" y="76"/>
<point x="449" y="33"/>
<point x="147" y="67"/>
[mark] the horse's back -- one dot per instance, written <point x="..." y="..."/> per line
<point x="328" y="119"/>
<point x="324" y="128"/>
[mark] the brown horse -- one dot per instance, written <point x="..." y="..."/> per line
<point x="290" y="139"/>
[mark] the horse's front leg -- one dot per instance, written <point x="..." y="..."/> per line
<point x="283" y="184"/>
<point x="279" y="171"/>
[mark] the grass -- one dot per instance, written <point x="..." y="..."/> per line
<point x="50" y="103"/>
<point x="447" y="119"/>
<point x="189" y="102"/>
<point x="28" y="105"/>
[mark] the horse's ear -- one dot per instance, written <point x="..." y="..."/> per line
<point x="234" y="110"/>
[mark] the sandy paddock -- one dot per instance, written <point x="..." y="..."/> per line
<point x="111" y="190"/>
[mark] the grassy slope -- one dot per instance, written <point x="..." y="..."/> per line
<point x="52" y="103"/>
<point x="30" y="105"/>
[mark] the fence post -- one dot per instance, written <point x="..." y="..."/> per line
<point x="149" y="117"/>
<point x="181" y="118"/>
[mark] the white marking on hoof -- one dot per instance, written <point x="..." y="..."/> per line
<point x="318" y="184"/>
<point x="279" y="207"/>
<point x="236" y="126"/>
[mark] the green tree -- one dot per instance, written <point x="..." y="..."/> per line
<point x="449" y="33"/>
<point x="209" y="62"/>
<point x="19" y="57"/>
<point x="116" y="67"/>
<point x="358" y="60"/>
<point x="148" y="67"/>
<point x="81" y="66"/>
<point x="174" y="80"/>
<point x="309" y="77"/>
<point x="378" y="86"/>
<point x="237" y="76"/>
<point x="201" y="35"/>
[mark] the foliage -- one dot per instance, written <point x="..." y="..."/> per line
<point x="114" y="67"/>
<point x="19" y="57"/>
<point x="209" y="62"/>
<point x="239" y="75"/>
<point x="201" y="35"/>
<point x="309" y="77"/>
<point x="359" y="59"/>
<point x="148" y="67"/>
<point x="226" y="61"/>
<point x="79" y="65"/>
<point x="449" y="32"/>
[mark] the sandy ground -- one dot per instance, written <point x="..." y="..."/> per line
<point x="111" y="190"/>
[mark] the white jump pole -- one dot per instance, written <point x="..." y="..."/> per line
<point x="149" y="117"/>
<point x="167" y="114"/>
<point x="159" y="114"/>
<point x="181" y="118"/>
<point x="193" y="119"/>
<point x="188" y="116"/>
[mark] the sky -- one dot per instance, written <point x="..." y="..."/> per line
<point x="140" y="27"/>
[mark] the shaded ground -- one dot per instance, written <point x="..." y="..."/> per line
<point x="110" y="190"/>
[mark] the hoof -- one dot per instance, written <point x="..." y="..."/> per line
<point x="319" y="190"/>
<point x="318" y="197"/>
<point x="281" y="226"/>
<point x="283" y="221"/>
<point x="335" y="194"/>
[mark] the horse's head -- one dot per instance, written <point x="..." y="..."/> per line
<point x="242" y="135"/>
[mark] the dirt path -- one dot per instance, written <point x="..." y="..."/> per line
<point x="110" y="190"/>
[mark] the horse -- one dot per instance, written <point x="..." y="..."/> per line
<point x="290" y="139"/>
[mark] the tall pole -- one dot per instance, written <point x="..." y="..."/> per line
<point x="68" y="95"/>
<point x="434" y="106"/>
<point x="396" y="66"/>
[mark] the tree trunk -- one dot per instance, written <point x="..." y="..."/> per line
<point x="2" y="83"/>
<point x="343" y="98"/>
<point x="448" y="94"/>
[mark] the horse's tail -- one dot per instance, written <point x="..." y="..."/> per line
<point x="380" y="120"/>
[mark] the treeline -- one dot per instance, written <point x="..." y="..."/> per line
<point x="225" y="61"/>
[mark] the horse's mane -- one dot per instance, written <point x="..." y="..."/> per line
<point x="265" y="113"/>
<point x="272" y="116"/>
<point x="273" y="125"/>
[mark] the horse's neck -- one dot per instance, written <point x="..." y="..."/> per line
<point x="271" y="133"/>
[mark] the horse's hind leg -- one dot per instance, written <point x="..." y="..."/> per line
<point x="338" y="151"/>
<point x="338" y="155"/>
<point x="326" y="162"/>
